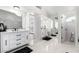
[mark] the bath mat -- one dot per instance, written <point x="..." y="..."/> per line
<point x="24" y="50"/>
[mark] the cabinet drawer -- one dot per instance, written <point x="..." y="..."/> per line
<point x="18" y="39"/>
<point x="18" y="35"/>
<point x="21" y="42"/>
<point x="21" y="38"/>
<point x="18" y="44"/>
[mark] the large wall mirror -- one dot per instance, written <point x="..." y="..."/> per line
<point x="9" y="18"/>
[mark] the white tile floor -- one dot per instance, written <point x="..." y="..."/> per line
<point x="52" y="46"/>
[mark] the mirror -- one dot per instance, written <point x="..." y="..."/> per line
<point x="68" y="29"/>
<point x="10" y="19"/>
<point x="49" y="27"/>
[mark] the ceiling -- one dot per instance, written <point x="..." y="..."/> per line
<point x="49" y="11"/>
<point x="52" y="11"/>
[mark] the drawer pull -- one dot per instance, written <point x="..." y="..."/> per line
<point x="18" y="43"/>
<point x="18" y="39"/>
<point x="27" y="37"/>
<point x="18" y="35"/>
<point x="6" y="42"/>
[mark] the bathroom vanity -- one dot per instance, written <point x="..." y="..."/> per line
<point x="12" y="40"/>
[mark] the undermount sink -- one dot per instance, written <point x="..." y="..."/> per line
<point x="47" y="38"/>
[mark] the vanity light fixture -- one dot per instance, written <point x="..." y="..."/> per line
<point x="71" y="18"/>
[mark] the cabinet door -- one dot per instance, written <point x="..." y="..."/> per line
<point x="5" y="42"/>
<point x="12" y="40"/>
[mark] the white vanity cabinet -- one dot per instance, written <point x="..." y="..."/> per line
<point x="12" y="40"/>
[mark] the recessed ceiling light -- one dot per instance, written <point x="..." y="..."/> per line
<point x="16" y="7"/>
